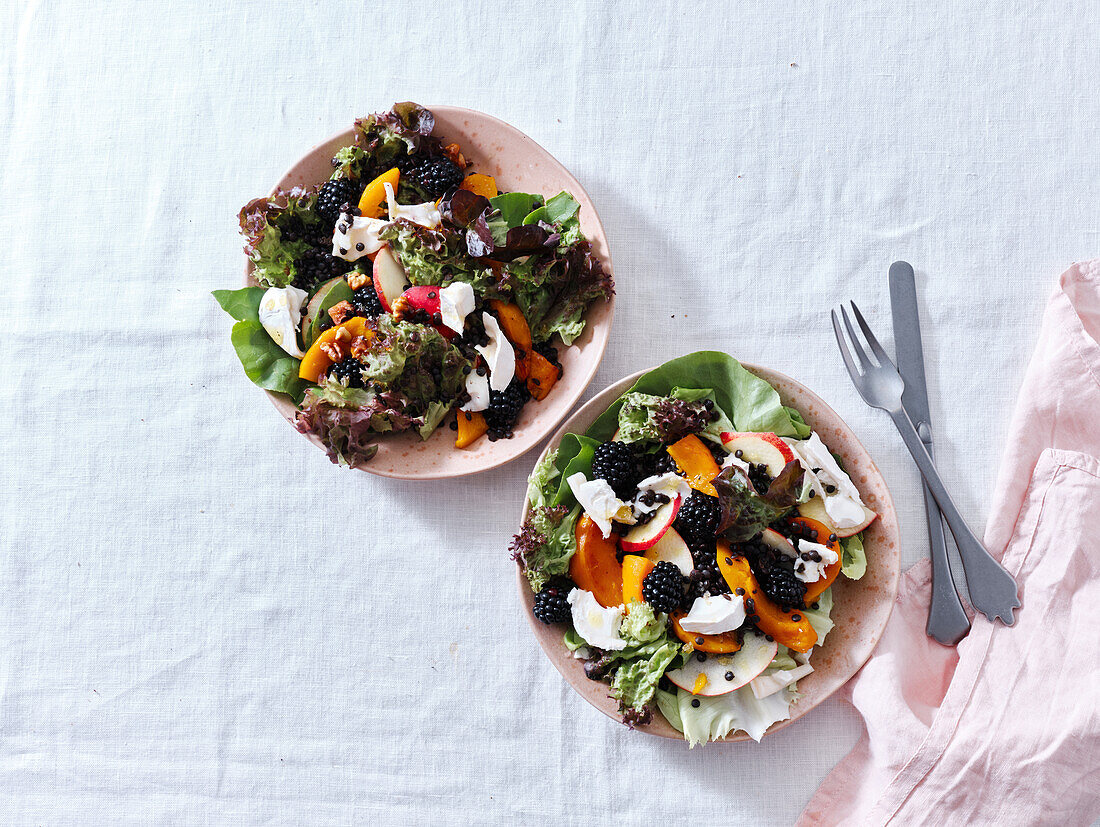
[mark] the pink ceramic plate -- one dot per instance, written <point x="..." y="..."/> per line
<point x="860" y="607"/>
<point x="519" y="165"/>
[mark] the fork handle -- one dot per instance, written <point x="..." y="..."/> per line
<point x="947" y="620"/>
<point x="993" y="592"/>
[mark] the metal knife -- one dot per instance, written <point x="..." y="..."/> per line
<point x="947" y="621"/>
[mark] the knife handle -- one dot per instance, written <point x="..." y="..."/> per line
<point x="947" y="620"/>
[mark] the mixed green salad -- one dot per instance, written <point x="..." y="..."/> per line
<point x="407" y="289"/>
<point x="688" y="543"/>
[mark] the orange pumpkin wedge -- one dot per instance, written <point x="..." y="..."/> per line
<point x="594" y="566"/>
<point x="316" y="361"/>
<point x="541" y="375"/>
<point x="697" y="463"/>
<point x="513" y="323"/>
<point x="372" y="202"/>
<point x="479" y="184"/>
<point x="793" y="633"/>
<point x="471" y="427"/>
<point x="635" y="569"/>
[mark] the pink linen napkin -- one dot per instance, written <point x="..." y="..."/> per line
<point x="1005" y="729"/>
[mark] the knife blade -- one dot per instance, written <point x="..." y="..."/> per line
<point x="947" y="620"/>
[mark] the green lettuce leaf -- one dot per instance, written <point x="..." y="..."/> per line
<point x="718" y="716"/>
<point x="783" y="659"/>
<point x="819" y="617"/>
<point x="750" y="403"/>
<point x="853" y="559"/>
<point x="649" y="652"/>
<point x="648" y="418"/>
<point x="669" y="706"/>
<point x="719" y="424"/>
<point x="243" y="305"/>
<point x="554" y="290"/>
<point x="574" y="455"/>
<point x="535" y="216"/>
<point x="407" y="358"/>
<point x="635" y="681"/>
<point x="437" y="257"/>
<point x="264" y="362"/>
<point x="515" y="206"/>
<point x="546" y="543"/>
<point x="433" y="416"/>
<point x="561" y="208"/>
<point x="541" y="486"/>
<point x="274" y="229"/>
<point x="573" y="641"/>
<point x="387" y="137"/>
<point x="641" y="625"/>
<point x="347" y="420"/>
<point x="336" y="393"/>
<point x="802" y="429"/>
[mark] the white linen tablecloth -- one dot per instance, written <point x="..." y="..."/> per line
<point x="203" y="621"/>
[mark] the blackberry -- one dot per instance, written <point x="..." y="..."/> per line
<point x="333" y="195"/>
<point x="781" y="585"/>
<point x="316" y="266"/>
<point x="615" y="462"/>
<point x="551" y="605"/>
<point x="504" y="408"/>
<point x="699" y="516"/>
<point x="663" y="588"/>
<point x="436" y="176"/>
<point x="366" y="301"/>
<point x="350" y="371"/>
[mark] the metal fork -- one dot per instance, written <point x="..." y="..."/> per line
<point x="993" y="592"/>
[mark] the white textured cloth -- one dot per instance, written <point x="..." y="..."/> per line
<point x="203" y="621"/>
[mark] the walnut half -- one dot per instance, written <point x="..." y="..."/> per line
<point x="341" y="312"/>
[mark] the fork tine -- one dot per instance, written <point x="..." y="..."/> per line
<point x="845" y="354"/>
<point x="880" y="354"/>
<point x="864" y="360"/>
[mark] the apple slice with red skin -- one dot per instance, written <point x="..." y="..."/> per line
<point x="423" y="298"/>
<point x="672" y="548"/>
<point x="389" y="278"/>
<point x="746" y="663"/>
<point x="773" y="539"/>
<point x="814" y="509"/>
<point x="648" y="534"/>
<point x="426" y="298"/>
<point x="765" y="449"/>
